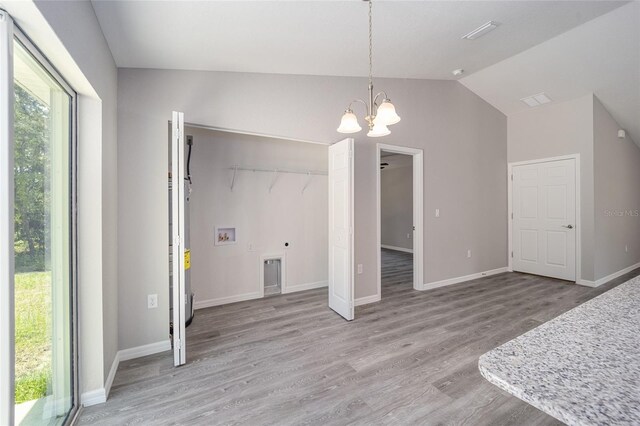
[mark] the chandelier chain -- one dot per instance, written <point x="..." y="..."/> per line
<point x="370" y="44"/>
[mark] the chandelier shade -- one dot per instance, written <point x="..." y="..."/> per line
<point x="386" y="114"/>
<point x="378" y="130"/>
<point x="349" y="123"/>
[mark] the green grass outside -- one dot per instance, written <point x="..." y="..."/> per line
<point x="33" y="335"/>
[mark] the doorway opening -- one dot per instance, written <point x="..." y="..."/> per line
<point x="400" y="217"/>
<point x="251" y="221"/>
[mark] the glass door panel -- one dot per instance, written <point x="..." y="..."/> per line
<point x="42" y="244"/>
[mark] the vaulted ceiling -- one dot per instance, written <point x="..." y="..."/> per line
<point x="563" y="48"/>
<point x="412" y="39"/>
<point x="601" y="57"/>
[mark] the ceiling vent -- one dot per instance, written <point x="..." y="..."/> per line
<point x="481" y="30"/>
<point x="536" y="100"/>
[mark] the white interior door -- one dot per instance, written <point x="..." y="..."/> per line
<point x="544" y="219"/>
<point x="341" y="280"/>
<point x="177" y="230"/>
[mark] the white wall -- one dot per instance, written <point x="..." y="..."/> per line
<point x="69" y="35"/>
<point x="463" y="137"/>
<point x="561" y="129"/>
<point x="396" y="206"/>
<point x="617" y="196"/>
<point x="265" y="220"/>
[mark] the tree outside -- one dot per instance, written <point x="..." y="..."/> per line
<point x="33" y="279"/>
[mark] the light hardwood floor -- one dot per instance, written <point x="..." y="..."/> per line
<point x="289" y="360"/>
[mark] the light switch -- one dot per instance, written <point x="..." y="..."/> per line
<point x="437" y="212"/>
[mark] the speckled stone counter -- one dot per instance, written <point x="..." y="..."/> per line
<point x="582" y="367"/>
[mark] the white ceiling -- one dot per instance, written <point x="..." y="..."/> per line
<point x="600" y="57"/>
<point x="412" y="39"/>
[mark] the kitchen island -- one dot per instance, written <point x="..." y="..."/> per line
<point x="582" y="367"/>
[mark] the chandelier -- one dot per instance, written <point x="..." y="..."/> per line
<point x="378" y="116"/>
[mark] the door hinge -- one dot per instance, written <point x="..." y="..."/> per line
<point x="511" y="215"/>
<point x="512" y="176"/>
<point x="511" y="254"/>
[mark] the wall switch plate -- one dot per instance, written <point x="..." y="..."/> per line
<point x="626" y="248"/>
<point x="469" y="254"/>
<point x="408" y="236"/>
<point x="437" y="212"/>
<point x="152" y="301"/>
<point x="251" y="247"/>
<point x="359" y="268"/>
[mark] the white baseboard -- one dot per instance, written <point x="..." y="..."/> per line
<point x="305" y="286"/>
<point x="456" y="280"/>
<point x="144" y="350"/>
<point x="112" y="374"/>
<point x="406" y="250"/>
<point x="368" y="299"/>
<point x="201" y="304"/>
<point x="609" y="277"/>
<point x="97" y="396"/>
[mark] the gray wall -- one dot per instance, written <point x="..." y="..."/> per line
<point x="463" y="137"/>
<point x="617" y="196"/>
<point x="561" y="129"/>
<point x="264" y="219"/>
<point x="396" y="206"/>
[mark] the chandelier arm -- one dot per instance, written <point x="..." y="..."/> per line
<point x="375" y="99"/>
<point x="362" y="102"/>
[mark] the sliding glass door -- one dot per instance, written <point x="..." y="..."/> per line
<point x="42" y="288"/>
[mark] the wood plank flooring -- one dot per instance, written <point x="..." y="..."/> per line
<point x="289" y="360"/>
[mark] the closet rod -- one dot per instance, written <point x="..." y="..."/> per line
<point x="276" y="170"/>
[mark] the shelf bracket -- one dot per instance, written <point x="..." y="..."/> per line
<point x="233" y="179"/>
<point x="306" y="185"/>
<point x="273" y="180"/>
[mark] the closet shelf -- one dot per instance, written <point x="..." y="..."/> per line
<point x="276" y="172"/>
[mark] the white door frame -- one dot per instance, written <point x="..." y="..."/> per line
<point x="510" y="166"/>
<point x="418" y="214"/>
<point x="178" y="231"/>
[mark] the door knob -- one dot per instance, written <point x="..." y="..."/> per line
<point x="568" y="226"/>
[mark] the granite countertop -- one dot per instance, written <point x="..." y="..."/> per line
<point x="582" y="367"/>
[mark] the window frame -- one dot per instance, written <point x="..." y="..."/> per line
<point x="14" y="33"/>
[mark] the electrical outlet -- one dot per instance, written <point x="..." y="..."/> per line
<point x="437" y="212"/>
<point x="468" y="254"/>
<point x="152" y="301"/>
<point x="359" y="268"/>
